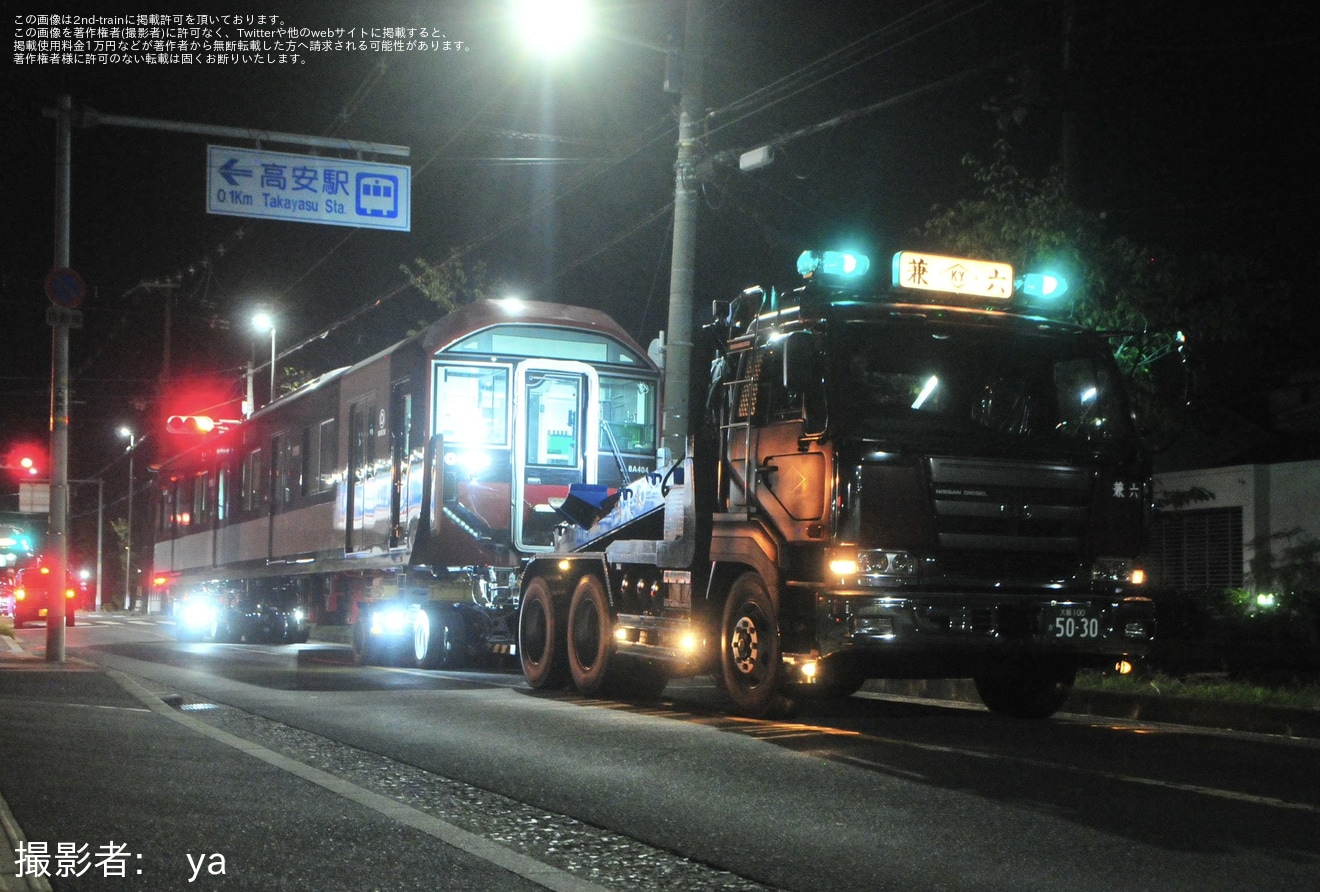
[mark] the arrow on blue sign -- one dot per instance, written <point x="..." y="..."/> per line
<point x="229" y="172"/>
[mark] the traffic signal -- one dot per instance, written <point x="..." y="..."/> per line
<point x="25" y="462"/>
<point x="189" y="424"/>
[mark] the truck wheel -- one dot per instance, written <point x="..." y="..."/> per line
<point x="541" y="640"/>
<point x="68" y="619"/>
<point x="590" y="637"/>
<point x="749" y="645"/>
<point x="1025" y="692"/>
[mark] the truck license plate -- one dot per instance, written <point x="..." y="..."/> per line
<point x="1072" y="622"/>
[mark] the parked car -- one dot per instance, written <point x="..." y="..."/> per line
<point x="33" y="589"/>
<point x="6" y="595"/>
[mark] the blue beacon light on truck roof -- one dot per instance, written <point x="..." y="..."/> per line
<point x="844" y="264"/>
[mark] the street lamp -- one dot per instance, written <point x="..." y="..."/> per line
<point x="264" y="321"/>
<point x="552" y="27"/>
<point x="128" y="532"/>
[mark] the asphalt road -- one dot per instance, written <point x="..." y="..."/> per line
<point x="866" y="794"/>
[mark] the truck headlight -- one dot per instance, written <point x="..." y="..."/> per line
<point x="874" y="564"/>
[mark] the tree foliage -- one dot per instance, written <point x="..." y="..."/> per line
<point x="450" y="283"/>
<point x="1153" y="303"/>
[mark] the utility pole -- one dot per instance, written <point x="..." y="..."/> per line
<point x="61" y="317"/>
<point x="682" y="273"/>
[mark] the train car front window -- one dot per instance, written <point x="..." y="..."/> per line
<point x="472" y="404"/>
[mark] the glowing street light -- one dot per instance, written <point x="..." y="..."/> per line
<point x="551" y="27"/>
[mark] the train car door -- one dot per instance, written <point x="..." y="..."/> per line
<point x="401" y="462"/>
<point x="556" y="442"/>
<point x="368" y="518"/>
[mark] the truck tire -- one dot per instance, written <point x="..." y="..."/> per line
<point x="749" y="650"/>
<point x="1025" y="691"/>
<point x="590" y="638"/>
<point x="438" y="639"/>
<point x="541" y="639"/>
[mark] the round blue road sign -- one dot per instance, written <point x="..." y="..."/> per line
<point x="65" y="288"/>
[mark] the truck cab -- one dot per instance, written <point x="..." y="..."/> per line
<point x="952" y="490"/>
<point x="891" y="484"/>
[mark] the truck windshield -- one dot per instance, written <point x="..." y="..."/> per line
<point x="1044" y="389"/>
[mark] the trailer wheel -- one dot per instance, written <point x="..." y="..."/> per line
<point x="438" y="639"/>
<point x="1025" y="691"/>
<point x="749" y="651"/>
<point x="590" y="637"/>
<point x="364" y="652"/>
<point x="541" y="640"/>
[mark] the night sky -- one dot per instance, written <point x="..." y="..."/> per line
<point x="1193" y="126"/>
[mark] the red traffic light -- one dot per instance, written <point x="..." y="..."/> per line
<point x="189" y="424"/>
<point x="26" y="462"/>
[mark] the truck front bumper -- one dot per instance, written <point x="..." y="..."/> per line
<point x="922" y="634"/>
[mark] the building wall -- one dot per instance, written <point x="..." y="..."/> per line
<point x="1273" y="499"/>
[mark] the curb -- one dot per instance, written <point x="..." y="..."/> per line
<point x="10" y="881"/>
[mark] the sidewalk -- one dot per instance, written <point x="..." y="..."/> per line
<point x="104" y="786"/>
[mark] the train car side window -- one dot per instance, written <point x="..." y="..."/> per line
<point x="201" y="499"/>
<point x="286" y="452"/>
<point x="255" y="493"/>
<point x="329" y="454"/>
<point x="320" y="448"/>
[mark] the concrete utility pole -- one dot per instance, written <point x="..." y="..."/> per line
<point x="682" y="273"/>
<point x="61" y="319"/>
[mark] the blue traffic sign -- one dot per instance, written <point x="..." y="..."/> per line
<point x="308" y="189"/>
<point x="65" y="287"/>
